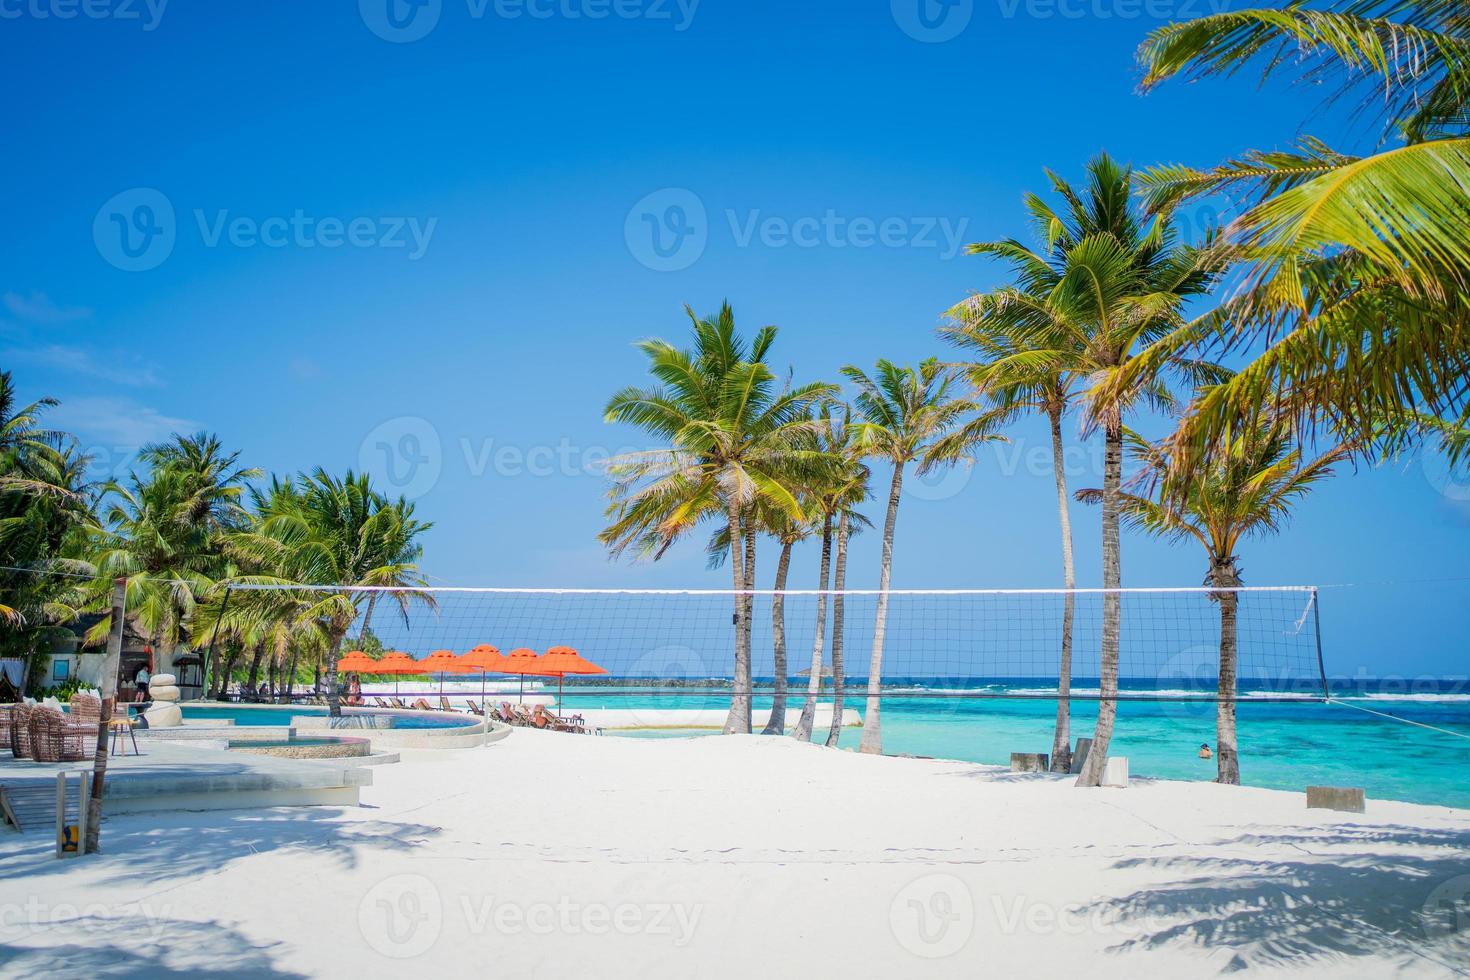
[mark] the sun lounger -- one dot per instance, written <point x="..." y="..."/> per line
<point x="398" y="703"/>
<point x="444" y="703"/>
<point x="422" y="705"/>
<point x="475" y="708"/>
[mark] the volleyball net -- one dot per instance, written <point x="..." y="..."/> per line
<point x="936" y="643"/>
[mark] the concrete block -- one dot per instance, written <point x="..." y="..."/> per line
<point x="1346" y="799"/>
<point x="1115" y="773"/>
<point x="1079" y="755"/>
<point x="1029" y="761"/>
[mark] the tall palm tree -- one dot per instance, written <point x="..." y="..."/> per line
<point x="732" y="437"/>
<point x="1026" y="360"/>
<point x="905" y="412"/>
<point x="1354" y="270"/>
<point x="1115" y="284"/>
<point x="1246" y="490"/>
<point x="843" y="487"/>
<point x="330" y="531"/>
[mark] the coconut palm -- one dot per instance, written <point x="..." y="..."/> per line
<point x="843" y="487"/>
<point x="1115" y="285"/>
<point x="732" y="437"/>
<point x="1353" y="268"/>
<point x="904" y="413"/>
<point x="1246" y="490"/>
<point x="329" y="531"/>
<point x="1026" y="361"/>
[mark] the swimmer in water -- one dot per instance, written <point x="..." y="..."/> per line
<point x="1204" y="751"/>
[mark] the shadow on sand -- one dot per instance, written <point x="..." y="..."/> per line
<point x="1326" y="904"/>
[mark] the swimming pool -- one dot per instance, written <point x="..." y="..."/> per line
<point x="281" y="715"/>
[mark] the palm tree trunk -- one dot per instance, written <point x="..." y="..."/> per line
<point x="737" y="722"/>
<point x="839" y="581"/>
<point x="1107" y="705"/>
<point x="290" y="679"/>
<point x="776" y="724"/>
<point x="334" y="703"/>
<point x="872" y="742"/>
<point x="232" y="655"/>
<point x="1061" y="744"/>
<point x="255" y="666"/>
<point x="1226" y="754"/>
<point x="804" y="724"/>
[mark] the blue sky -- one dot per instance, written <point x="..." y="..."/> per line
<point x="344" y="240"/>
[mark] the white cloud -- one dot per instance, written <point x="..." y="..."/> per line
<point x="39" y="308"/>
<point x="115" y="423"/>
<point x="80" y="360"/>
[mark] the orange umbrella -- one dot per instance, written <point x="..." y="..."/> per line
<point x="443" y="662"/>
<point x="485" y="659"/>
<point x="524" y="661"/>
<point x="356" y="662"/>
<point x="397" y="662"/>
<point x="561" y="661"/>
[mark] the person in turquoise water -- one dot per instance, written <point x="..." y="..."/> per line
<point x="1204" y="751"/>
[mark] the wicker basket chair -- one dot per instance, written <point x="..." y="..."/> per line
<point x="53" y="739"/>
<point x="83" y="715"/>
<point x="20" y="731"/>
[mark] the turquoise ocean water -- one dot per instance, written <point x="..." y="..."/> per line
<point x="1282" y="745"/>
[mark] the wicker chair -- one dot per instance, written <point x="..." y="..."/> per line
<point x="83" y="716"/>
<point x="5" y="727"/>
<point x="53" y="739"/>
<point x="20" y="731"/>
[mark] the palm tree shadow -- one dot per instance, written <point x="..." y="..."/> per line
<point x="151" y="848"/>
<point x="108" y="947"/>
<point x="1380" y="900"/>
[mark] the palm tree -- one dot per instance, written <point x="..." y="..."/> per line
<point x="327" y="531"/>
<point x="842" y="488"/>
<point x="1114" y="285"/>
<point x="1246" y="490"/>
<point x="1353" y="268"/>
<point x="1019" y="375"/>
<point x="732" y="437"/>
<point x="905" y="412"/>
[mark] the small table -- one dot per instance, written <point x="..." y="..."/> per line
<point x="118" y="726"/>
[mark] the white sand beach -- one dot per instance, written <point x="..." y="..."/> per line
<point x="551" y="855"/>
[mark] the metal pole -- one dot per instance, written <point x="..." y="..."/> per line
<point x="1317" y="626"/>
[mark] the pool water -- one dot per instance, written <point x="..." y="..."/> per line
<point x="281" y="715"/>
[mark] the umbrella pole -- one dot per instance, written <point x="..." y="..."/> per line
<point x="521" y="697"/>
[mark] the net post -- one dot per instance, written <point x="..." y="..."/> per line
<point x="1317" y="629"/>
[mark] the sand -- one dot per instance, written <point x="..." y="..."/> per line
<point x="552" y="855"/>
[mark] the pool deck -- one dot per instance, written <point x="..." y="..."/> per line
<point x="192" y="775"/>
